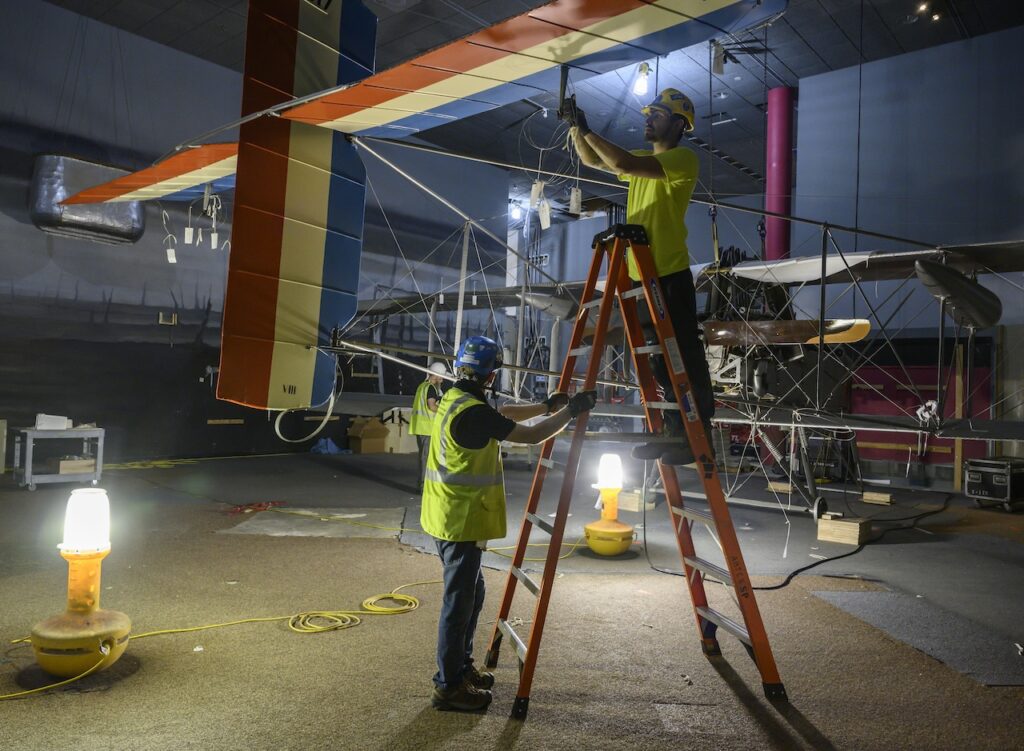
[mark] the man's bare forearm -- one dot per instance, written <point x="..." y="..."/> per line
<point x="615" y="157"/>
<point x="587" y="154"/>
<point x="520" y="412"/>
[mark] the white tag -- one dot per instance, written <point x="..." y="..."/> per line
<point x="440" y="299"/>
<point x="544" y="211"/>
<point x="575" y="201"/>
<point x="536" y="193"/>
<point x="171" y="258"/>
<point x="213" y="240"/>
<point x="188" y="235"/>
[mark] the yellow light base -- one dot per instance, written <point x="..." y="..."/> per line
<point x="71" y="643"/>
<point x="608" y="536"/>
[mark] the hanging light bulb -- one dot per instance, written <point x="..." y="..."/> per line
<point x="640" y="84"/>
<point x="516" y="212"/>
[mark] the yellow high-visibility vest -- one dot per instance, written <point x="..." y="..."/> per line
<point x="422" y="418"/>
<point x="463" y="489"/>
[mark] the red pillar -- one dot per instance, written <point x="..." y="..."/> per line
<point x="779" y="170"/>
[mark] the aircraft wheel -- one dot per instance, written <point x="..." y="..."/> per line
<point x="820" y="508"/>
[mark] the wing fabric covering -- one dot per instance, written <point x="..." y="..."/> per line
<point x="521" y="57"/>
<point x="298" y="219"/>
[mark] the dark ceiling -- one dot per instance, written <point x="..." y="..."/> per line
<point x="811" y="37"/>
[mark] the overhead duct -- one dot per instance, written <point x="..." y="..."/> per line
<point x="55" y="178"/>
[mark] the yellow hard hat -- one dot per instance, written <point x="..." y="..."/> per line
<point x="674" y="102"/>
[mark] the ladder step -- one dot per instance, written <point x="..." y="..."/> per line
<point x="551" y="463"/>
<point x="527" y="582"/>
<point x="538" y="522"/>
<point x="694" y="514"/>
<point x="580" y="350"/>
<point x="650" y="349"/>
<point x="708" y="567"/>
<point x="662" y="405"/>
<point x="592" y="304"/>
<point x="513" y="637"/>
<point x="635" y="292"/>
<point x="724" y="621"/>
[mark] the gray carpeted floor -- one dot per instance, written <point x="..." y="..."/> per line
<point x="620" y="666"/>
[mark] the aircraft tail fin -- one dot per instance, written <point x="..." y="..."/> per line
<point x="298" y="218"/>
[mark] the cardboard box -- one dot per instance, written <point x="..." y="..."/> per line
<point x="71" y="465"/>
<point x="367" y="435"/>
<point x="849" y="530"/>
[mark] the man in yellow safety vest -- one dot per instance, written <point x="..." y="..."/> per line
<point x="424" y="405"/>
<point x="464" y="505"/>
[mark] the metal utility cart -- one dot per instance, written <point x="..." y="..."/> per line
<point x="26" y="437"/>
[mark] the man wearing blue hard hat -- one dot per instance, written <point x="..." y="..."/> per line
<point x="661" y="182"/>
<point x="464" y="504"/>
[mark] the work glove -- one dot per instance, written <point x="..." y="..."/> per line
<point x="581" y="402"/>
<point x="575" y="116"/>
<point x="556" y="401"/>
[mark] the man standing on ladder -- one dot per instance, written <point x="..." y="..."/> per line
<point x="464" y="504"/>
<point x="424" y="405"/>
<point x="661" y="182"/>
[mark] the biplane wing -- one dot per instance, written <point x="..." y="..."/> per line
<point x="297" y="223"/>
<point x="879" y="265"/>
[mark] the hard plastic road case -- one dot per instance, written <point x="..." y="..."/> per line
<point x="995" y="482"/>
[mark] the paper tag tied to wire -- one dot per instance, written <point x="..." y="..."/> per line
<point x="575" y="201"/>
<point x="544" y="213"/>
<point x="170" y="241"/>
<point x="536" y="194"/>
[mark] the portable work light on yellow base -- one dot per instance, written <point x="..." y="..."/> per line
<point x="84" y="638"/>
<point x="609" y="536"/>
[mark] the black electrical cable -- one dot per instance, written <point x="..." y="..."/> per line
<point x="913" y="519"/>
<point x="793" y="574"/>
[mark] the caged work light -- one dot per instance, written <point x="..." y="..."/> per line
<point x="84" y="638"/>
<point x="609" y="536"/>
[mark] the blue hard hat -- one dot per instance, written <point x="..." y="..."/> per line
<point x="481" y="354"/>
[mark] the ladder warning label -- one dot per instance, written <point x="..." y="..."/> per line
<point x="674" y="355"/>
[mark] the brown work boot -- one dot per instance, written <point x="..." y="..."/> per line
<point x="462" y="698"/>
<point x="478" y="679"/>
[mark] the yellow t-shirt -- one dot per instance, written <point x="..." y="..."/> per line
<point x="660" y="206"/>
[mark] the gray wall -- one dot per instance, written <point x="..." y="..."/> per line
<point x="940" y="155"/>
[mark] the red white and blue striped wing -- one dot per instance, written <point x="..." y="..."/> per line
<point x="522" y="57"/>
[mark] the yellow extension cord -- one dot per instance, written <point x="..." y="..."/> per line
<point x="313" y="621"/>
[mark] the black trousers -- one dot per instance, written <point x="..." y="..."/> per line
<point x="681" y="304"/>
<point x="423" y="444"/>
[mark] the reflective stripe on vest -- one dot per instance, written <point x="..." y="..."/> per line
<point x="463" y="489"/>
<point x="422" y="418"/>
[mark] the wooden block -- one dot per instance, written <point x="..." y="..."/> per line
<point x="882" y="499"/>
<point x="630" y="500"/>
<point x="780" y="487"/>
<point x="849" y="531"/>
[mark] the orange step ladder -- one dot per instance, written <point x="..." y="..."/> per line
<point x="613" y="245"/>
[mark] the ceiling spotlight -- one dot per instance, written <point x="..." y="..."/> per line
<point x="640" y="84"/>
<point x="722" y="95"/>
<point x="923" y="7"/>
<point x="936" y="16"/>
<point x="516" y="211"/>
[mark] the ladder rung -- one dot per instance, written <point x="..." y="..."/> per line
<point x="513" y="637"/>
<point x="695" y="514"/>
<point x="580" y="350"/>
<point x="709" y="568"/>
<point x="527" y="582"/>
<point x="724" y="621"/>
<point x="662" y="405"/>
<point x="592" y="304"/>
<point x="635" y="292"/>
<point x="650" y="349"/>
<point x="538" y="522"/>
<point x="551" y="463"/>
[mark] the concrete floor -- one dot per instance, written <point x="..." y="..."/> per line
<point x="620" y="666"/>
